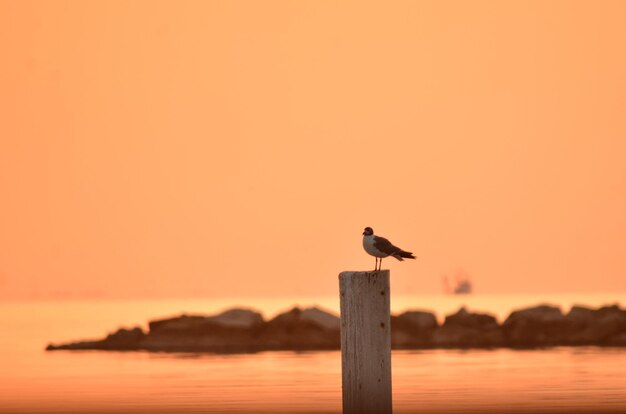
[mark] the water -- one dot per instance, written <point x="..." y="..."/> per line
<point x="34" y="381"/>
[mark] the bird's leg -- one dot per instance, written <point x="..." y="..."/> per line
<point x="376" y="263"/>
<point x="380" y="264"/>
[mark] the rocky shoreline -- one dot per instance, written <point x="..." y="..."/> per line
<point x="243" y="330"/>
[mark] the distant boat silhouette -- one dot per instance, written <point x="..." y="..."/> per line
<point x="461" y="286"/>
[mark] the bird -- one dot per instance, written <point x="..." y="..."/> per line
<point x="379" y="247"/>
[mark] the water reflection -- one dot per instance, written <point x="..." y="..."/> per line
<point x="554" y="380"/>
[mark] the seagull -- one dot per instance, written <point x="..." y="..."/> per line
<point x="379" y="247"/>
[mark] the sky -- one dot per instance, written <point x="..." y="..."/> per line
<point x="157" y="149"/>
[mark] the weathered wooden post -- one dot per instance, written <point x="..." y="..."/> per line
<point x="365" y="342"/>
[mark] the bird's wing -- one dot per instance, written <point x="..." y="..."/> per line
<point x="385" y="245"/>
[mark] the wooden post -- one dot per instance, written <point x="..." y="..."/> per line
<point x="365" y="342"/>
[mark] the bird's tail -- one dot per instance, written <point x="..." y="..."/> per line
<point x="401" y="255"/>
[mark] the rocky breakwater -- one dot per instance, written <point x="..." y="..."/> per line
<point x="235" y="330"/>
<point x="469" y="330"/>
<point x="547" y="326"/>
<point x="243" y="330"/>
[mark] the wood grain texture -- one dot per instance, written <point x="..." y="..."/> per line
<point x="365" y="342"/>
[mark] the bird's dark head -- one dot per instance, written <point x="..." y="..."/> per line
<point x="368" y="231"/>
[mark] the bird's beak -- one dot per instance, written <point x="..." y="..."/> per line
<point x="364" y="233"/>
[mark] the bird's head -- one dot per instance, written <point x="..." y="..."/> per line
<point x="368" y="231"/>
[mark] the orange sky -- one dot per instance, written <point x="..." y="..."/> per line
<point x="231" y="148"/>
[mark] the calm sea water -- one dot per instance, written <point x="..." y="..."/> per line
<point x="34" y="381"/>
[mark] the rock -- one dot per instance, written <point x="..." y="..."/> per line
<point x="421" y="320"/>
<point x="581" y="319"/>
<point x="617" y="340"/>
<point x="609" y="310"/>
<point x="321" y="317"/>
<point x="122" y="340"/>
<point x="471" y="320"/>
<point x="538" y="326"/>
<point x="580" y="315"/>
<point x="238" y="317"/>
<point x="178" y="324"/>
<point x="290" y="330"/>
<point x="232" y="318"/>
<point x="125" y="339"/>
<point x="469" y="330"/>
<point x="76" y="346"/>
<point x="540" y="313"/>
<point x="412" y="329"/>
<point x="226" y="340"/>
<point x="234" y="330"/>
<point x="597" y="327"/>
<point x="459" y="337"/>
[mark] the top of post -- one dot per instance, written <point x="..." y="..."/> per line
<point x="364" y="274"/>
